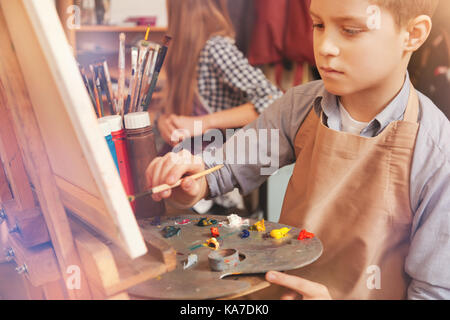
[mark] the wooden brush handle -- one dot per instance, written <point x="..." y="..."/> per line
<point x="196" y="176"/>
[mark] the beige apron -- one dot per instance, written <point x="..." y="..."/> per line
<point x="353" y="193"/>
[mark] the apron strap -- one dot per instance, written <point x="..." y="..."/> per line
<point x="412" y="109"/>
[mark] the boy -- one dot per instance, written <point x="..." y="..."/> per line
<point x="372" y="160"/>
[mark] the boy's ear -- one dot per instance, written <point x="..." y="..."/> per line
<point x="418" y="31"/>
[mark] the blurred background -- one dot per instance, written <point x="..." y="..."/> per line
<point x="273" y="34"/>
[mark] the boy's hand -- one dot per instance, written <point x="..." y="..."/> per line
<point x="307" y="289"/>
<point x="169" y="169"/>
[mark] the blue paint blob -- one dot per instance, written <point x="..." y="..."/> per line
<point x="245" y="234"/>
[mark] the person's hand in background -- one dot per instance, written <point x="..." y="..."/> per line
<point x="190" y="126"/>
<point x="168" y="129"/>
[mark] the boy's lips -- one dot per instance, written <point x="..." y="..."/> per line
<point x="331" y="73"/>
<point x="329" y="70"/>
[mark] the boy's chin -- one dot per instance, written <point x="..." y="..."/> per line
<point x="339" y="88"/>
<point x="336" y="88"/>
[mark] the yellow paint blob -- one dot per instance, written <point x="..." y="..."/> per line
<point x="259" y="226"/>
<point x="279" y="233"/>
<point x="213" y="243"/>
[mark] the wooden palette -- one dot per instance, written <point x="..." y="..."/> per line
<point x="258" y="254"/>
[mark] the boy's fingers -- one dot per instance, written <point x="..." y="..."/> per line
<point x="149" y="172"/>
<point x="178" y="171"/>
<point x="190" y="186"/>
<point x="156" y="197"/>
<point x="162" y="171"/>
<point x="166" y="194"/>
<point x="171" y="168"/>
<point x="292" y="295"/>
<point x="166" y="176"/>
<point x="179" y="165"/>
<point x="156" y="178"/>
<point x="302" y="286"/>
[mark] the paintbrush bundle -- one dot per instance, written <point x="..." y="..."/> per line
<point x="99" y="87"/>
<point x="103" y="86"/>
<point x="162" y="51"/>
<point x="147" y="60"/>
<point x="146" y="63"/>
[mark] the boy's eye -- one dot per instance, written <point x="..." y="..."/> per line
<point x="318" y="26"/>
<point x="352" y="31"/>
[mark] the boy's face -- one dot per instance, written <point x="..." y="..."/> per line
<point x="357" y="45"/>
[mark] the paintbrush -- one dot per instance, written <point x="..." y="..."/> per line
<point x="99" y="90"/>
<point x="87" y="84"/>
<point x="165" y="187"/>
<point x="121" y="87"/>
<point x="113" y="102"/>
<point x="105" y="86"/>
<point x="141" y="77"/>
<point x="150" y="72"/>
<point x="134" y="57"/>
<point x="96" y="93"/>
<point x="145" y="77"/>
<point x="159" y="63"/>
<point x="140" y="69"/>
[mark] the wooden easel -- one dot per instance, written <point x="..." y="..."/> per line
<point x="47" y="242"/>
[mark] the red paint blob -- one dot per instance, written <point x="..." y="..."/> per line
<point x="305" y="235"/>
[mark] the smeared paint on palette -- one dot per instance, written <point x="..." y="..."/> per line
<point x="258" y="253"/>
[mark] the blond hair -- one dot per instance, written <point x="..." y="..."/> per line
<point x="191" y="24"/>
<point x="405" y="10"/>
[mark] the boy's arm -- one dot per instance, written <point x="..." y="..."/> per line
<point x="428" y="259"/>
<point x="258" y="150"/>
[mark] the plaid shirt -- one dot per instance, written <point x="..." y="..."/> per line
<point x="227" y="80"/>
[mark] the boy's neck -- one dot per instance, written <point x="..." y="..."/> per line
<point x="365" y="105"/>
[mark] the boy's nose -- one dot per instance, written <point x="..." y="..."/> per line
<point x="328" y="48"/>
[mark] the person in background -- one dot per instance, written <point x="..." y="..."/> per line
<point x="208" y="79"/>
